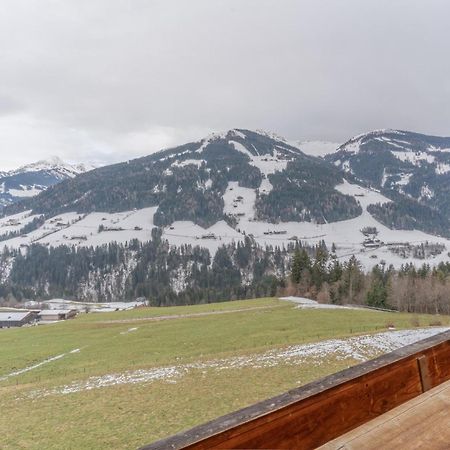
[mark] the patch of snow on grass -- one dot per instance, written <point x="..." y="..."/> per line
<point x="358" y="348"/>
<point x="308" y="303"/>
<point x="130" y="330"/>
<point x="35" y="366"/>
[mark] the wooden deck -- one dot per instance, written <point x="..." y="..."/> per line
<point x="346" y="402"/>
<point x="422" y="423"/>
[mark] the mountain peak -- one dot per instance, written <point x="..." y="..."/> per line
<point x="32" y="179"/>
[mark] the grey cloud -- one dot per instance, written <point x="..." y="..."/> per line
<point x="105" y="75"/>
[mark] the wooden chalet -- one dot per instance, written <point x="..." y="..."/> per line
<point x="400" y="400"/>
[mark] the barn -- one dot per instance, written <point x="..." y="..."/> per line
<point x="10" y="319"/>
<point x="52" y="315"/>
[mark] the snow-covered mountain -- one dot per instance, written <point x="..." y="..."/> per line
<point x="189" y="183"/>
<point x="405" y="165"/>
<point x="224" y="187"/>
<point x="32" y="179"/>
<point x="252" y="192"/>
<point x="389" y="158"/>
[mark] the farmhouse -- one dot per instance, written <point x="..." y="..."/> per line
<point x="51" y="315"/>
<point x="10" y="319"/>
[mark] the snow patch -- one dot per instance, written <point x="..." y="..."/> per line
<point x="413" y="157"/>
<point x="40" y="364"/>
<point x="318" y="148"/>
<point x="358" y="348"/>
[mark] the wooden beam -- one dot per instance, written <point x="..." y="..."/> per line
<point x="316" y="413"/>
<point x="425" y="381"/>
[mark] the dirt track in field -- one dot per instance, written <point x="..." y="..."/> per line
<point x="188" y="316"/>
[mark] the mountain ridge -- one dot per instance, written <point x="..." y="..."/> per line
<point x="32" y="179"/>
<point x="171" y="224"/>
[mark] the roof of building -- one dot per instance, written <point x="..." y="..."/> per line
<point x="13" y="316"/>
<point x="54" y="312"/>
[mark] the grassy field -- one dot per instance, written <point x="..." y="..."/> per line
<point x="71" y="403"/>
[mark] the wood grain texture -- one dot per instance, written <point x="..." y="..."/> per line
<point x="312" y="415"/>
<point x="422" y="423"/>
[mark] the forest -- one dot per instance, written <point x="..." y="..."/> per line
<point x="165" y="275"/>
<point x="419" y="290"/>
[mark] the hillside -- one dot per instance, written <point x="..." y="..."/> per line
<point x="32" y="179"/>
<point x="411" y="168"/>
<point x="189" y="182"/>
<point x="84" y="372"/>
<point x="166" y="225"/>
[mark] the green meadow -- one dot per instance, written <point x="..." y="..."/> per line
<point x="77" y="384"/>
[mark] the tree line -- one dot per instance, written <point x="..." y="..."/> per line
<point x="328" y="280"/>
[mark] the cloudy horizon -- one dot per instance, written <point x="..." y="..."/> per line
<point x="108" y="80"/>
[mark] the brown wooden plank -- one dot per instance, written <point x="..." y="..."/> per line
<point x="422" y="423"/>
<point x="318" y="412"/>
<point x="424" y="372"/>
<point x="439" y="363"/>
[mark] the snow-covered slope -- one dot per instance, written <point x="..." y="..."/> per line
<point x="318" y="148"/>
<point x="396" y="246"/>
<point x="220" y="190"/>
<point x="415" y="168"/>
<point x="32" y="179"/>
<point x="394" y="158"/>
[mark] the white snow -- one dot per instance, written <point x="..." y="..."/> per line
<point x="59" y="303"/>
<point x="317" y="148"/>
<point x="212" y="137"/>
<point x="267" y="164"/>
<point x="234" y="204"/>
<point x="265" y="186"/>
<point x="353" y="147"/>
<point x="303" y="302"/>
<point x="442" y="168"/>
<point x="16" y="222"/>
<point x="55" y="165"/>
<point x="413" y="157"/>
<point x="404" y="179"/>
<point x="432" y="148"/>
<point x="186" y="162"/>
<point x="73" y="229"/>
<point x="25" y="191"/>
<point x="130" y="330"/>
<point x="189" y="233"/>
<point x="426" y="192"/>
<point x="35" y="366"/>
<point x="345" y="234"/>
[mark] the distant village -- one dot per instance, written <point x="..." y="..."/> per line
<point x="57" y="310"/>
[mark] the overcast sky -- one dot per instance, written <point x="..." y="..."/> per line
<point x="108" y="80"/>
